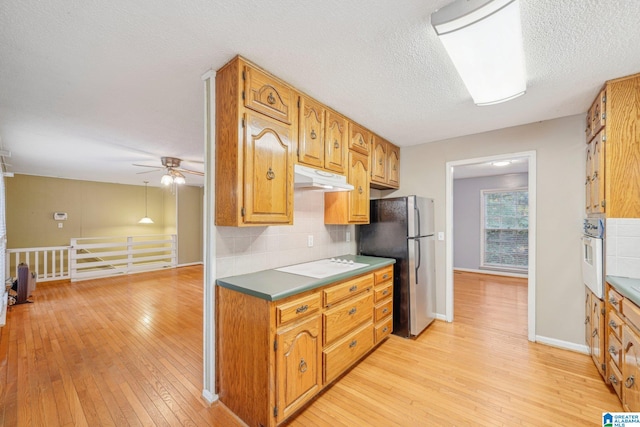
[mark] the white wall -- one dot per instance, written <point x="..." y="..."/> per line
<point x="249" y="249"/>
<point x="560" y="154"/>
<point x="466" y="214"/>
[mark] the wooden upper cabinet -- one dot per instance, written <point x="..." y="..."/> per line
<point x="266" y="95"/>
<point x="268" y="170"/>
<point x="255" y="132"/>
<point x="359" y="138"/>
<point x="597" y="173"/>
<point x="379" y="157"/>
<point x="336" y="142"/>
<point x="311" y="132"/>
<point x="587" y="182"/>
<point x="385" y="164"/>
<point x="350" y="207"/>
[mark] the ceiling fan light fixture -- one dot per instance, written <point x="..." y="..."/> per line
<point x="166" y="179"/>
<point x="484" y="41"/>
<point x="178" y="178"/>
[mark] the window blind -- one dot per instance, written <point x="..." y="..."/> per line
<point x="505" y="229"/>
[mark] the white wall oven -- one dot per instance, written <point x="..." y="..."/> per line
<point x="593" y="255"/>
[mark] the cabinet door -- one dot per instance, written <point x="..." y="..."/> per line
<point x="298" y="366"/>
<point x="268" y="171"/>
<point x="587" y="318"/>
<point x="631" y="370"/>
<point x="359" y="139"/>
<point x="311" y="133"/>
<point x="379" y="160"/>
<point x="359" y="196"/>
<point x="589" y="173"/>
<point x="597" y="176"/>
<point x="597" y="334"/>
<point x="598" y="115"/>
<point x="267" y="96"/>
<point x="394" y="166"/>
<point x="336" y="142"/>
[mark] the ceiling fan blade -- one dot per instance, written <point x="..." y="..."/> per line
<point x="138" y="173"/>
<point x="189" y="171"/>
<point x="147" y="166"/>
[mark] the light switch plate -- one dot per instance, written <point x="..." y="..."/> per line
<point x="348" y="236"/>
<point x="440" y="235"/>
<point x="310" y="240"/>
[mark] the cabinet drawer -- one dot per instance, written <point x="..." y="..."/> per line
<point x="343" y="318"/>
<point x="615" y="379"/>
<point x="383" y="310"/>
<point x="632" y="313"/>
<point x="615" y="300"/>
<point x="345" y="352"/>
<point x="298" y="308"/>
<point x="268" y="96"/>
<point x="383" y="275"/>
<point x="615" y="350"/>
<point x="383" y="329"/>
<point x="614" y="324"/>
<point x="339" y="292"/>
<point x="383" y="292"/>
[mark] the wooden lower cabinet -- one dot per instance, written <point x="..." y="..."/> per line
<point x="272" y="357"/>
<point x="631" y="370"/>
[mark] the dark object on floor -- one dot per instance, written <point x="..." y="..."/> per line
<point x="26" y="284"/>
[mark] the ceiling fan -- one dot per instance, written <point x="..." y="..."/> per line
<point x="173" y="174"/>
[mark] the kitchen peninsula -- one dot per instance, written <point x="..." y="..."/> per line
<point x="283" y="337"/>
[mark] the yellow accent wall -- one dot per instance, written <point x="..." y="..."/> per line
<point x="94" y="209"/>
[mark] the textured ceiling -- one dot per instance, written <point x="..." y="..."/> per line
<point x="87" y="87"/>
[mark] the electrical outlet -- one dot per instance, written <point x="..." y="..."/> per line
<point x="310" y="240"/>
<point x="348" y="236"/>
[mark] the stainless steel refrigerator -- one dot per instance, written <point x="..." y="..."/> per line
<point x="403" y="228"/>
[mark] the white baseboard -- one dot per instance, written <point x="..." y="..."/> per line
<point x="566" y="345"/>
<point x="492" y="272"/>
<point x="441" y="317"/>
<point x="209" y="397"/>
<point x="189" y="264"/>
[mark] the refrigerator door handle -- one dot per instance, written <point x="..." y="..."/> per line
<point x="415" y="208"/>
<point x="418" y="257"/>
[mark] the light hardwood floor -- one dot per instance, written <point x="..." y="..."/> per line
<point x="128" y="351"/>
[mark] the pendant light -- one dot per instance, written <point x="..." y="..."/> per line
<point x="146" y="219"/>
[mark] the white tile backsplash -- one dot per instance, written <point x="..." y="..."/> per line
<point x="249" y="249"/>
<point x="623" y="247"/>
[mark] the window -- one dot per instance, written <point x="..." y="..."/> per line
<point x="505" y="229"/>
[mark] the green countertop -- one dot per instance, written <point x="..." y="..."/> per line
<point x="273" y="285"/>
<point x="627" y="287"/>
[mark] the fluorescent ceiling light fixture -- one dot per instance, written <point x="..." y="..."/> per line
<point x="501" y="163"/>
<point x="484" y="40"/>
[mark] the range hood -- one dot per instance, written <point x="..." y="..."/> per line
<point x="310" y="178"/>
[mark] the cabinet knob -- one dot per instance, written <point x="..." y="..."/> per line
<point x="271" y="174"/>
<point x="385" y="310"/>
<point x="352" y="311"/>
<point x="353" y="343"/>
<point x="613" y="379"/>
<point x="385" y="329"/>
<point x="353" y="288"/>
<point x="360" y="190"/>
<point x="386" y="291"/>
<point x="303" y="366"/>
<point x="613" y="324"/>
<point x="613" y="301"/>
<point x="313" y="134"/>
<point x="336" y="145"/>
<point x="271" y="99"/>
<point x="595" y="332"/>
<point x="385" y="276"/>
<point x="587" y="320"/>
<point x="360" y="141"/>
<point x="629" y="382"/>
<point x="613" y="351"/>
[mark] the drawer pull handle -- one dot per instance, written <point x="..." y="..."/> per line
<point x="613" y="324"/>
<point x="595" y="332"/>
<point x="385" y="329"/>
<point x="353" y="343"/>
<point x="313" y="134"/>
<point x="271" y="99"/>
<point x="586" y="320"/>
<point x="386" y="291"/>
<point x="629" y="382"/>
<point x="352" y="311"/>
<point x="302" y="309"/>
<point x="271" y="174"/>
<point x="385" y="310"/>
<point x="360" y="190"/>
<point x="613" y="379"/>
<point x="353" y="288"/>
<point x="380" y="162"/>
<point x="303" y="366"/>
<point x="361" y="142"/>
<point x="613" y="301"/>
<point x="385" y="276"/>
<point x="613" y="351"/>
<point x="335" y="144"/>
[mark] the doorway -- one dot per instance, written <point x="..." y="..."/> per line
<point x="528" y="161"/>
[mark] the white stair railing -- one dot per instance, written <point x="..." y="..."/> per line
<point x="93" y="257"/>
<point x="49" y="263"/>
